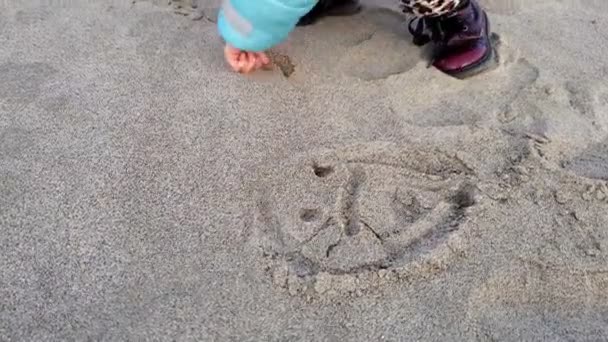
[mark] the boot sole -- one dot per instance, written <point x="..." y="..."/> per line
<point x="489" y="60"/>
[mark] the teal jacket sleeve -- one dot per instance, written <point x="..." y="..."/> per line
<point x="257" y="25"/>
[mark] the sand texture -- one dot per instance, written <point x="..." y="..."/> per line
<point x="348" y="194"/>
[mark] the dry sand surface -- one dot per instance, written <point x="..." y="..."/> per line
<point x="351" y="194"/>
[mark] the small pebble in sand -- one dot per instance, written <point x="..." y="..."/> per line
<point x="604" y="188"/>
<point x="323" y="283"/>
<point x="280" y="277"/>
<point x="576" y="216"/>
<point x="591" y="252"/>
<point x="561" y="197"/>
<point x="435" y="178"/>
<point x="586" y="196"/>
<point x="521" y="170"/>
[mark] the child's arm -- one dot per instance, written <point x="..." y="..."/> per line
<point x="250" y="27"/>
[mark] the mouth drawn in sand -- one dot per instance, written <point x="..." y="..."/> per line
<point x="342" y="220"/>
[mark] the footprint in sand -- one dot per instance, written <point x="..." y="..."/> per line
<point x="592" y="163"/>
<point x="346" y="220"/>
<point x="439" y="102"/>
<point x="194" y="9"/>
<point x="542" y="302"/>
<point x="370" y="46"/>
<point x="383" y="49"/>
<point x="572" y="116"/>
<point x="379" y="56"/>
<point x="31" y="16"/>
<point x="504" y="7"/>
<point x="21" y="82"/>
<point x="589" y="100"/>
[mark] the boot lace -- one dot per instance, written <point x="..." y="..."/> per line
<point x="436" y="29"/>
<point x="440" y="30"/>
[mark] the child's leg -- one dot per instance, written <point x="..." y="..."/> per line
<point x="460" y="28"/>
<point x="330" y="8"/>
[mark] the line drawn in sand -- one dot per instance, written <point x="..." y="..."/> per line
<point x="345" y="221"/>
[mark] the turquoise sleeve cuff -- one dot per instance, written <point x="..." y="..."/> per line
<point x="256" y="40"/>
<point x="257" y="25"/>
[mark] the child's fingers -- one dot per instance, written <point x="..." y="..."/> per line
<point x="266" y="62"/>
<point x="243" y="61"/>
<point x="233" y="62"/>
<point x="250" y="66"/>
<point x="258" y="63"/>
<point x="229" y="51"/>
<point x="261" y="60"/>
<point x="264" y="57"/>
<point x="242" y="56"/>
<point x="231" y="58"/>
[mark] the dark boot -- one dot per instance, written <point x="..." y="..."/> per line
<point x="334" y="8"/>
<point x="462" y="39"/>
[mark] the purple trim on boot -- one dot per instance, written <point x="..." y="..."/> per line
<point x="462" y="38"/>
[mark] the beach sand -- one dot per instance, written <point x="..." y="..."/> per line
<point x="149" y="193"/>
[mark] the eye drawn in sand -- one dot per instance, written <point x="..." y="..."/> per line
<point x="344" y="221"/>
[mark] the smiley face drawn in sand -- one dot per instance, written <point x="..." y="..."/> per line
<point x="329" y="220"/>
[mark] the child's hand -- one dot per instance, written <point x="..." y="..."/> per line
<point x="245" y="61"/>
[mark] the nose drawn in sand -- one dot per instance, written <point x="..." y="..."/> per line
<point x="360" y="210"/>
